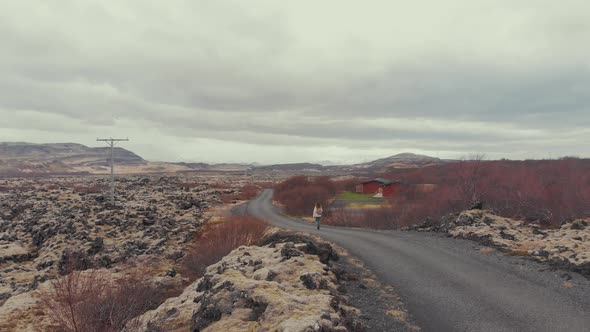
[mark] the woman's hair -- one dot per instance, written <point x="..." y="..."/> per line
<point x="318" y="205"/>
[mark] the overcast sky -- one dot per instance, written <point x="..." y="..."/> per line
<point x="287" y="81"/>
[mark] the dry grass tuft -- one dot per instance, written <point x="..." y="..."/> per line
<point x="397" y="314"/>
<point x="518" y="252"/>
<point x="218" y="240"/>
<point x="487" y="250"/>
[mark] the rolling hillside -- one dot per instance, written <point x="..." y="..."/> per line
<point x="57" y="158"/>
<point x="21" y="158"/>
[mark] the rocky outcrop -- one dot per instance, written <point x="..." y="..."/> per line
<point x="567" y="247"/>
<point x="48" y="226"/>
<point x="288" y="284"/>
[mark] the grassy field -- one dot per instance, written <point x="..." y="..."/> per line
<point x="367" y="205"/>
<point x="354" y="196"/>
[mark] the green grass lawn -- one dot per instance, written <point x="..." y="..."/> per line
<point x="354" y="196"/>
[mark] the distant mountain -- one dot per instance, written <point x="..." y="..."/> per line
<point x="213" y="167"/>
<point x="194" y="166"/>
<point x="57" y="158"/>
<point x="295" y="167"/>
<point x="71" y="154"/>
<point x="327" y="163"/>
<point x="402" y="160"/>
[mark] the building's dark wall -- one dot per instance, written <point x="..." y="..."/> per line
<point x="391" y="190"/>
<point x="371" y="187"/>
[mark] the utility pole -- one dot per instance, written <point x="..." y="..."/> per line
<point x="111" y="142"/>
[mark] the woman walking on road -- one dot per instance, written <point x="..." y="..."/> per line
<point x="317" y="213"/>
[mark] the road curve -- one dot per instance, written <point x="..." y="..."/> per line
<point x="448" y="285"/>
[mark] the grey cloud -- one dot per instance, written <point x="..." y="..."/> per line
<point x="265" y="73"/>
<point x="479" y="93"/>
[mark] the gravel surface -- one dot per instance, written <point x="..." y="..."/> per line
<point x="449" y="285"/>
<point x="381" y="308"/>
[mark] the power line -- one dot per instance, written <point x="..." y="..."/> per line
<point x="111" y="142"/>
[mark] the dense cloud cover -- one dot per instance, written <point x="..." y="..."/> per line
<point x="283" y="81"/>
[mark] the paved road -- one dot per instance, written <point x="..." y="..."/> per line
<point x="448" y="285"/>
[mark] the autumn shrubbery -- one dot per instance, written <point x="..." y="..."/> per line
<point x="347" y="185"/>
<point x="91" y="301"/>
<point x="548" y="192"/>
<point x="218" y="240"/>
<point x="407" y="209"/>
<point x="299" y="194"/>
<point x="376" y="218"/>
<point x="246" y="192"/>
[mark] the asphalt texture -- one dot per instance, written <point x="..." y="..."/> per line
<point x="449" y="285"/>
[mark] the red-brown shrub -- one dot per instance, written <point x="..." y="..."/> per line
<point x="245" y="193"/>
<point x="347" y="185"/>
<point x="299" y="194"/>
<point x="218" y="240"/>
<point x="376" y="218"/>
<point x="411" y="207"/>
<point x="228" y="198"/>
<point x="91" y="302"/>
<point x="248" y="192"/>
<point x="550" y="192"/>
<point x="345" y="217"/>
